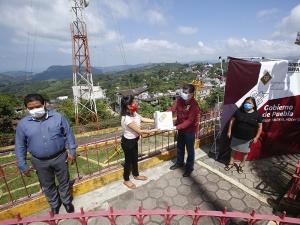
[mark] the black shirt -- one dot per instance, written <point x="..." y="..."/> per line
<point x="245" y="124"/>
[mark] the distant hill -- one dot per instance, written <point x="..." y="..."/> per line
<point x="19" y="74"/>
<point x="143" y="68"/>
<point x="53" y="73"/>
<point x="204" y="62"/>
<point x="122" y="67"/>
<point x="6" y="79"/>
<point x="14" y="76"/>
<point x="47" y="82"/>
<point x="144" y="65"/>
<point x="56" y="73"/>
<point x="292" y="58"/>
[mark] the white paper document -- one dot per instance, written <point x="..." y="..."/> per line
<point x="163" y="120"/>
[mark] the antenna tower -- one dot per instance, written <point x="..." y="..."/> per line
<point x="83" y="92"/>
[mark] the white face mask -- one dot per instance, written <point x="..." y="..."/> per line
<point x="184" y="96"/>
<point x="37" y="113"/>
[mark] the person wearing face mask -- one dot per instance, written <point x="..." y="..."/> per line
<point x="241" y="129"/>
<point x="45" y="133"/>
<point x="187" y="110"/>
<point x="131" y="122"/>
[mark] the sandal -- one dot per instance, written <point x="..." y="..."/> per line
<point x="228" y="167"/>
<point x="129" y="184"/>
<point x="140" y="177"/>
<point x="240" y="169"/>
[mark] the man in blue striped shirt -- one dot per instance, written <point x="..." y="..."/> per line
<point x="45" y="133"/>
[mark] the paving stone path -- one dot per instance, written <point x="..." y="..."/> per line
<point x="209" y="187"/>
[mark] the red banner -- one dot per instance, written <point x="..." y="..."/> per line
<point x="275" y="85"/>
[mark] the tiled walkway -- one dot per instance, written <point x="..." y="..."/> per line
<point x="210" y="187"/>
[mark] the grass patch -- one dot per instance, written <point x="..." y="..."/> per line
<point x="7" y="159"/>
<point x="15" y="182"/>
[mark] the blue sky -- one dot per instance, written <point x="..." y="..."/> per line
<point x="35" y="34"/>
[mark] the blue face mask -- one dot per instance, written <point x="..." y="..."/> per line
<point x="184" y="96"/>
<point x="248" y="106"/>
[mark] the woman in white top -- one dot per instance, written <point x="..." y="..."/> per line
<point x="130" y="122"/>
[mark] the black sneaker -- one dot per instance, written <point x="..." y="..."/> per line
<point x="174" y="167"/>
<point x="186" y="174"/>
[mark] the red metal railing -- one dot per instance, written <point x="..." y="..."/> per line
<point x="89" y="163"/>
<point x="207" y="122"/>
<point x="95" y="159"/>
<point x="293" y="196"/>
<point x="139" y="216"/>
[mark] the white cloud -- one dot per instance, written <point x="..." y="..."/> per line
<point x="287" y="28"/>
<point x="143" y="43"/>
<point x="139" y="11"/>
<point x="200" y="44"/>
<point x="41" y="26"/>
<point x="146" y="50"/>
<point x="267" y="48"/>
<point x="63" y="50"/>
<point x="119" y="8"/>
<point x="235" y="43"/>
<point x="186" y="30"/>
<point x="264" y="13"/>
<point x="156" y="18"/>
<point x="151" y="45"/>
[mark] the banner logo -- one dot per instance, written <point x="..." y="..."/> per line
<point x="266" y="78"/>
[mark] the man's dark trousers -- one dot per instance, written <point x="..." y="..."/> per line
<point x="45" y="170"/>
<point x="188" y="141"/>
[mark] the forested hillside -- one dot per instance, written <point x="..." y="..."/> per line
<point x="158" y="77"/>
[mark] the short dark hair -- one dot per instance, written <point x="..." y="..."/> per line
<point x="189" y="87"/>
<point x="125" y="101"/>
<point x="33" y="98"/>
<point x="252" y="99"/>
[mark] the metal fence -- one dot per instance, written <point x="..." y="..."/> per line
<point x="207" y="121"/>
<point x="114" y="216"/>
<point x="93" y="159"/>
<point x="293" y="195"/>
<point x="102" y="156"/>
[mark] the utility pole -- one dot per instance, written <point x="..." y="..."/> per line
<point x="83" y="88"/>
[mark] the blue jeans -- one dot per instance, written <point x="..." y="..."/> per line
<point x="188" y="141"/>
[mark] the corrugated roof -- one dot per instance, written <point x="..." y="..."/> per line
<point x="135" y="91"/>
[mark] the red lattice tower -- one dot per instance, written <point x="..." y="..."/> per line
<point x="83" y="92"/>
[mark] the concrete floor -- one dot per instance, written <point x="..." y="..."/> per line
<point x="209" y="187"/>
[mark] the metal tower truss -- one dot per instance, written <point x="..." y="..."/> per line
<point x="83" y="92"/>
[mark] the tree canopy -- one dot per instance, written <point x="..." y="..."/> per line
<point x="7" y="114"/>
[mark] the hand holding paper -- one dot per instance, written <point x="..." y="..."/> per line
<point x="169" y="129"/>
